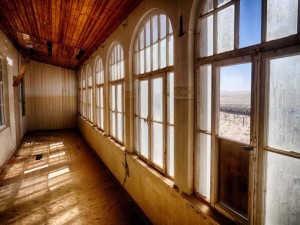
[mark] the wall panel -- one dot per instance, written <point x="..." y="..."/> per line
<point x="51" y="96"/>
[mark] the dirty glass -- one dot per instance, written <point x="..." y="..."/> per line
<point x="225" y="34"/>
<point x="282" y="18"/>
<point x="284" y="104"/>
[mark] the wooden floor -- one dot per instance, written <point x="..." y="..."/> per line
<point x="68" y="185"/>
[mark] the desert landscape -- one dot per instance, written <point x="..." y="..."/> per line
<point x="234" y="118"/>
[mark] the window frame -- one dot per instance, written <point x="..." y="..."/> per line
<point x="99" y="98"/>
<point x="3" y="118"/>
<point x="84" y="94"/>
<point x="256" y="52"/>
<point x="116" y="57"/>
<point x="148" y="75"/>
<point x="89" y="87"/>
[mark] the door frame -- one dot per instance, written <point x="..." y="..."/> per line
<point x="253" y="59"/>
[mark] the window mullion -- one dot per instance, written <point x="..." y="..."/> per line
<point x="165" y="118"/>
<point x="215" y="30"/>
<point x="236" y="24"/>
<point x="150" y="119"/>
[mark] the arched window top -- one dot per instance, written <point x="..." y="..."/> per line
<point x="155" y="33"/>
<point x="89" y="76"/>
<point x="226" y="25"/>
<point x="116" y="63"/>
<point x="83" y="78"/>
<point x="99" y="71"/>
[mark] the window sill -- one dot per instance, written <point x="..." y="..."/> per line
<point x="195" y="203"/>
<point x="206" y="210"/>
<point x="3" y="127"/>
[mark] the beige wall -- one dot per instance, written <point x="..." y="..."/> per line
<point x="16" y="124"/>
<point x="154" y="193"/>
<point x="51" y="97"/>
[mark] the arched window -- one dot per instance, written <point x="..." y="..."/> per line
<point x="99" y="93"/>
<point x="116" y="85"/>
<point x="83" y="93"/>
<point x="90" y="93"/>
<point x="242" y="47"/>
<point x="80" y="93"/>
<point x="2" y="96"/>
<point x="154" y="104"/>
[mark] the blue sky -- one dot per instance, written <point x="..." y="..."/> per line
<point x="250" y="22"/>
<point x="238" y="77"/>
<point x="235" y="77"/>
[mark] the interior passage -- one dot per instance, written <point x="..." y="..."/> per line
<point x="56" y="179"/>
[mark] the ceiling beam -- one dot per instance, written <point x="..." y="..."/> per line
<point x="17" y="79"/>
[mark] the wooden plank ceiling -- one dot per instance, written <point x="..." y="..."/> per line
<point x="59" y="31"/>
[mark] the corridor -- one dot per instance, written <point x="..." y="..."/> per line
<point x="55" y="178"/>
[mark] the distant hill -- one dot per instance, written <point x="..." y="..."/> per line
<point x="237" y="102"/>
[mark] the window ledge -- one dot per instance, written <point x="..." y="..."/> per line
<point x="121" y="147"/>
<point x="206" y="210"/>
<point x="3" y="127"/>
<point x="200" y="207"/>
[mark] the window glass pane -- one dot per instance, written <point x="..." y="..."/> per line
<point x="102" y="119"/>
<point x="102" y="77"/>
<point x="163" y="54"/>
<point x="136" y="63"/>
<point x="154" y="29"/>
<point x="171" y="49"/>
<point x="142" y="60"/>
<point x="205" y="30"/>
<point x="101" y="97"/>
<point x="235" y="102"/>
<point x="136" y="134"/>
<point x="203" y="162"/>
<point x="204" y="98"/>
<point x="142" y="39"/>
<point x="283" y="190"/>
<point x="119" y="98"/>
<point x="148" y="59"/>
<point x="98" y="77"/>
<point x="113" y="124"/>
<point x="120" y="126"/>
<point x="171" y="98"/>
<point x="148" y="34"/>
<point x="208" y="6"/>
<point x="122" y="75"/>
<point x="222" y="2"/>
<point x="284" y="104"/>
<point x="171" y="150"/>
<point x="163" y="26"/>
<point x="97" y="97"/>
<point x="282" y="17"/>
<point x="157" y="143"/>
<point x="136" y="97"/>
<point x="155" y="57"/>
<point x="225" y="34"/>
<point x="144" y="138"/>
<point x="113" y="98"/>
<point x="250" y="22"/>
<point x="157" y="99"/>
<point x="144" y="99"/>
